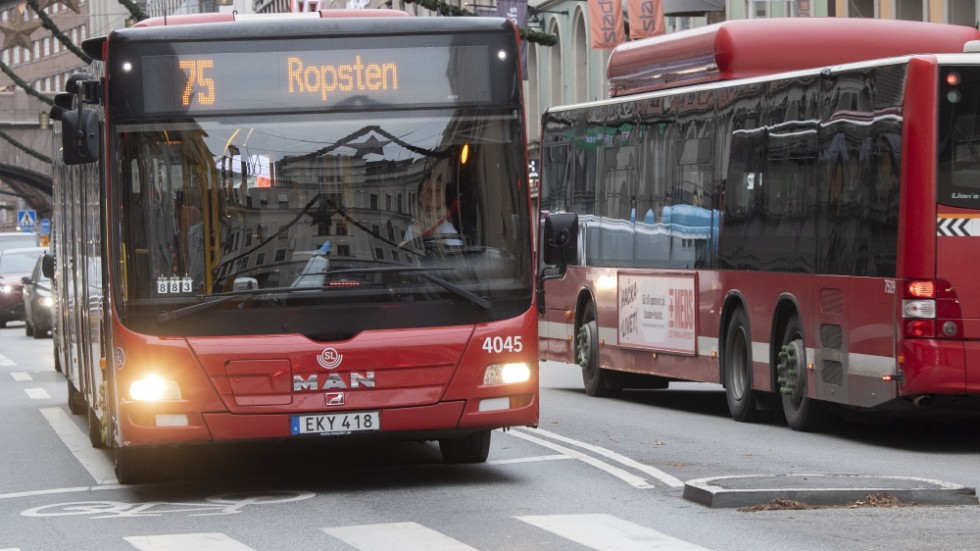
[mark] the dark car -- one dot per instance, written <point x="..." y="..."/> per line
<point x="38" y="301"/>
<point x="14" y="265"/>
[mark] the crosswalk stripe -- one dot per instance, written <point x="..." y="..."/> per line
<point x="404" y="536"/>
<point x="21" y="376"/>
<point x="5" y="361"/>
<point x="608" y="533"/>
<point x="213" y="541"/>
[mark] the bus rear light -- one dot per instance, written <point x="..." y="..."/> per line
<point x="920" y="329"/>
<point x="921" y="289"/>
<point x="930" y="310"/>
<point x="154" y="388"/>
<point x="919" y="309"/>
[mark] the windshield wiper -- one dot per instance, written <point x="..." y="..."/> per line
<point x="207" y="304"/>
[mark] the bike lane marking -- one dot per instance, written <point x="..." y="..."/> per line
<point x="94" y="461"/>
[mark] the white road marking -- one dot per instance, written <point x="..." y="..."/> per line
<point x="6" y="362"/>
<point x="21" y="376"/>
<point x="627" y="477"/>
<point x="522" y="460"/>
<point x="55" y="491"/>
<point x="94" y="461"/>
<point x="37" y="393"/>
<point x="404" y="536"/>
<point x="667" y="479"/>
<point x="182" y="542"/>
<point x="608" y="533"/>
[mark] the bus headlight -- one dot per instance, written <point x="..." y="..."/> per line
<point x="506" y="374"/>
<point x="154" y="388"/>
<point x="7" y="289"/>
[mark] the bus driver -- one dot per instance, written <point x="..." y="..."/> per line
<point x="432" y="218"/>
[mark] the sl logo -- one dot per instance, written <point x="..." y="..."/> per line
<point x="329" y="358"/>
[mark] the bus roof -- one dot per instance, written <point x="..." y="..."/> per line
<point x="220" y="17"/>
<point x="756" y="47"/>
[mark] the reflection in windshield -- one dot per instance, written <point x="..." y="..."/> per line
<point x="220" y="206"/>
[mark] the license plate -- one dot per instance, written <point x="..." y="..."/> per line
<point x="336" y="423"/>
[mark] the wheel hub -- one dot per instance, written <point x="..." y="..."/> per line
<point x="791" y="377"/>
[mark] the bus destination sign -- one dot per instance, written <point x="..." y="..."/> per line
<point x="300" y="80"/>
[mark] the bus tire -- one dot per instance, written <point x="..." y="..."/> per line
<point x="595" y="379"/>
<point x="76" y="401"/>
<point x="472" y="448"/>
<point x="802" y="413"/>
<point x="57" y="358"/>
<point x="737" y="362"/>
<point x="136" y="465"/>
<point x="95" y="429"/>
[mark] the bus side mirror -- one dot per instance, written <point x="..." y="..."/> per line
<point x="559" y="241"/>
<point x="47" y="266"/>
<point x="80" y="136"/>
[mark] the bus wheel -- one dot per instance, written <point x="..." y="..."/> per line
<point x="802" y="413"/>
<point x="596" y="380"/>
<point x="134" y="465"/>
<point x="95" y="429"/>
<point x="57" y="357"/>
<point x="737" y="363"/>
<point x="76" y="401"/>
<point x="473" y="448"/>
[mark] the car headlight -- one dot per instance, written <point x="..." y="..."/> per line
<point x="46" y="302"/>
<point x="506" y="374"/>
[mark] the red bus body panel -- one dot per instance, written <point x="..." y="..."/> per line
<point x="425" y="380"/>
<point x="877" y="364"/>
<point x="744" y="48"/>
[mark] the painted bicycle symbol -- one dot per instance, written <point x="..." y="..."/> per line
<point x="223" y="504"/>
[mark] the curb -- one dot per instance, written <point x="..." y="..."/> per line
<point x="822" y="489"/>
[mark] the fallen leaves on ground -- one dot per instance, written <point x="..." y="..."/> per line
<point x="871" y="500"/>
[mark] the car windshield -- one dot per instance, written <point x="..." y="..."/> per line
<point x="428" y="206"/>
<point x="18" y="262"/>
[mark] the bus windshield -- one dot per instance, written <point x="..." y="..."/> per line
<point x="291" y="215"/>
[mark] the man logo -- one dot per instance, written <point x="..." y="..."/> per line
<point x="329" y="358"/>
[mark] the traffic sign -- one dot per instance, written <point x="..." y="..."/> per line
<point x="45" y="226"/>
<point x="27" y="219"/>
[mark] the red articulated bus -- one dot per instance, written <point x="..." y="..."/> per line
<point x="787" y="207"/>
<point x="303" y="226"/>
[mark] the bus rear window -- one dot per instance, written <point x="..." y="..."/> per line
<point x="958" y="176"/>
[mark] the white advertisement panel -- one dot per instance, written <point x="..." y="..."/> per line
<point x="658" y="312"/>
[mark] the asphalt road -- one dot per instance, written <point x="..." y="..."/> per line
<point x="598" y="474"/>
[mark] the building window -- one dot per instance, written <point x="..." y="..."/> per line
<point x="962" y="12"/>
<point x="909" y="10"/>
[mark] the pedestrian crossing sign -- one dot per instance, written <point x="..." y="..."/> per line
<point x="27" y="219"/>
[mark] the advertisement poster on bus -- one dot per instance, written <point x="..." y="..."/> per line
<point x="658" y="312"/>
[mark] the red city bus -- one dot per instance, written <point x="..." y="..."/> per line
<point x="786" y="207"/>
<point x="242" y="245"/>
